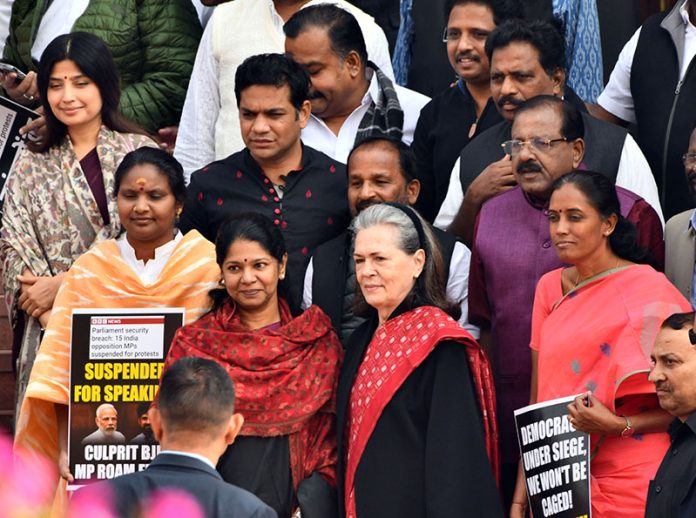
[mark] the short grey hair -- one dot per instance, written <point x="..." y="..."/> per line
<point x="429" y="288"/>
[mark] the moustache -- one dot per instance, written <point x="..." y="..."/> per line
<point x="315" y="95"/>
<point x="364" y="204"/>
<point x="662" y="387"/>
<point x="529" y="167"/>
<point x="468" y="55"/>
<point x="507" y="99"/>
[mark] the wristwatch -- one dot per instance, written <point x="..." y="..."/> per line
<point x="629" y="430"/>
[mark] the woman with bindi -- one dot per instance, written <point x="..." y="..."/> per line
<point x="58" y="200"/>
<point x="284" y="367"/>
<point x="593" y="326"/>
<point x="150" y="265"/>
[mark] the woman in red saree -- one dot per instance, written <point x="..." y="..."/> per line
<point x="285" y="371"/>
<point x="593" y="328"/>
<point x="416" y="406"/>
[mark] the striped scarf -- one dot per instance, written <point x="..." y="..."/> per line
<point x="384" y="117"/>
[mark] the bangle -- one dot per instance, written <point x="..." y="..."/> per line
<point x="629" y="430"/>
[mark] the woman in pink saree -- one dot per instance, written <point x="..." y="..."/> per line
<point x="593" y="327"/>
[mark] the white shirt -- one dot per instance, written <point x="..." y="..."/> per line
<point x="148" y="272"/>
<point x="5" y="15"/>
<point x="457" y="285"/>
<point x="58" y="19"/>
<point x="199" y="142"/>
<point x="189" y="454"/>
<point x="616" y="97"/>
<point x="204" y="12"/>
<point x="634" y="174"/>
<point x="318" y="135"/>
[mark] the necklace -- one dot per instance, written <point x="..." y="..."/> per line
<point x="578" y="280"/>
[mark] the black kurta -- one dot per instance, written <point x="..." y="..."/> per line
<point x="426" y="457"/>
<point x="313" y="207"/>
<point x="672" y="493"/>
<point x="261" y="465"/>
<point x="441" y="133"/>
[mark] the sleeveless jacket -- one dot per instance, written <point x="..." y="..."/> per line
<point x="153" y="43"/>
<point x="604" y="143"/>
<point x="664" y="106"/>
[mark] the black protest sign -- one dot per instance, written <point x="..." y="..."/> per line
<point x="12" y="117"/>
<point x="116" y="361"/>
<point x="556" y="460"/>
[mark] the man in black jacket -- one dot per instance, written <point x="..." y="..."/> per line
<point x="194" y="421"/>
<point x="673" y="492"/>
<point x="653" y="85"/>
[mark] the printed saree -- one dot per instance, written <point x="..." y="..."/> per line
<point x="50" y="219"/>
<point x="599" y="337"/>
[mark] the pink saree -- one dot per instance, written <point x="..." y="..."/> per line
<point x="599" y="337"/>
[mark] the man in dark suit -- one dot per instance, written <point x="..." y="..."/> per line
<point x="194" y="423"/>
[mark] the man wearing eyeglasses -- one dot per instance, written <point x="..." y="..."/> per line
<point x="512" y="249"/>
<point x="528" y="59"/>
<point x="465" y="110"/>
<point x="680" y="235"/>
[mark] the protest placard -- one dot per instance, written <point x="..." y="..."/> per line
<point x="12" y="117"/>
<point x="116" y="361"/>
<point x="556" y="460"/>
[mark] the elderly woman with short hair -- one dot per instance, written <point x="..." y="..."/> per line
<point x="415" y="400"/>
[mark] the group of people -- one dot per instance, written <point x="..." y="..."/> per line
<point x="373" y="280"/>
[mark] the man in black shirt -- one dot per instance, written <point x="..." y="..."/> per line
<point x="299" y="189"/>
<point x="673" y="491"/>
<point x="458" y="114"/>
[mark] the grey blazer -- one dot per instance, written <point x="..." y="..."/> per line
<point x="680" y="252"/>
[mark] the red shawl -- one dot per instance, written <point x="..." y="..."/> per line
<point x="398" y="347"/>
<point x="285" y="378"/>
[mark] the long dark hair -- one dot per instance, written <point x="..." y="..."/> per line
<point x="93" y="58"/>
<point x="601" y="195"/>
<point x="248" y="226"/>
<point x="413" y="233"/>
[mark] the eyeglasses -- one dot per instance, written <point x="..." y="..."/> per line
<point x="541" y="145"/>
<point x="689" y="159"/>
<point x="451" y="35"/>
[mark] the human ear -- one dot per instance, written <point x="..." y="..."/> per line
<point x="353" y="62"/>
<point x="233" y="428"/>
<point x="578" y="152"/>
<point x="419" y="262"/>
<point x="609" y="224"/>
<point x="303" y="113"/>
<point x="412" y="191"/>
<point x="155" y="422"/>
<point x="558" y="78"/>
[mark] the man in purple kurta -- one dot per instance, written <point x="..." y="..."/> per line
<point x="512" y="249"/>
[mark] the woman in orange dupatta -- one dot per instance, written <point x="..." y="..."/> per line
<point x="593" y="327"/>
<point x="152" y="265"/>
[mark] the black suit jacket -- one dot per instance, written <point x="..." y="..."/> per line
<point x="168" y="471"/>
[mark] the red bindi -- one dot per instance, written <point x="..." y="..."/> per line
<point x="140" y="182"/>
